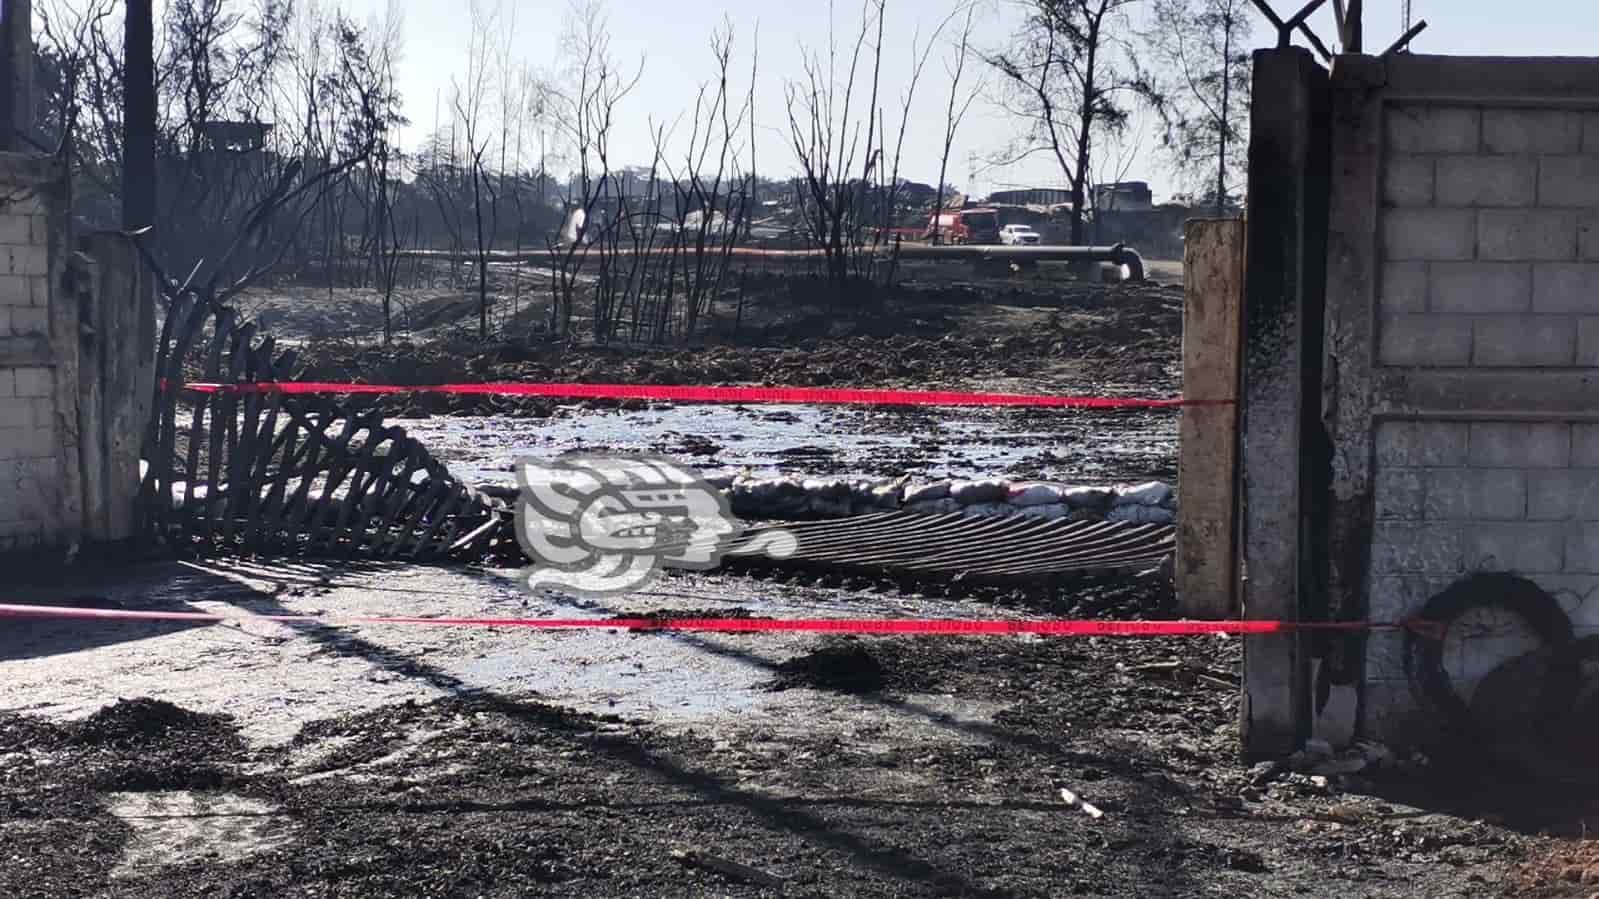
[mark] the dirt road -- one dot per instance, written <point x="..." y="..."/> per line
<point x="269" y="760"/>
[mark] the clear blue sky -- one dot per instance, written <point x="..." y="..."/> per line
<point x="671" y="36"/>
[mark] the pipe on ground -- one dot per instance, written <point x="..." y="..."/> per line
<point x="1118" y="254"/>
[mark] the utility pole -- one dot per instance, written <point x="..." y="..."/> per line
<point x="138" y="119"/>
<point x="16" y="64"/>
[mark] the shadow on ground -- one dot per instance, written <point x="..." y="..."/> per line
<point x="484" y="793"/>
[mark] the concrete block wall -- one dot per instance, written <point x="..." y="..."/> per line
<point x="1489" y="260"/>
<point x="1490" y="238"/>
<point x="32" y="473"/>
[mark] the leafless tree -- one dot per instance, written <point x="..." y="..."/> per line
<point x="1117" y="155"/>
<point x="471" y="101"/>
<point x="597" y="85"/>
<point x="1201" y="50"/>
<point x="825" y="131"/>
<point x="248" y="148"/>
<point x="1073" y="76"/>
<point x="711" y="193"/>
<point x="379" y="120"/>
<point x="888" y="188"/>
<point x="961" y="97"/>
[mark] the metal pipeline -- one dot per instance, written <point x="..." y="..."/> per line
<point x="1118" y="254"/>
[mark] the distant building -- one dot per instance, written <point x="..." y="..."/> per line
<point x="235" y="137"/>
<point x="1031" y="196"/>
<point x="1154" y="231"/>
<point x="1124" y="196"/>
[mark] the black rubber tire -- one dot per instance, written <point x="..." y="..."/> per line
<point x="1510" y="593"/>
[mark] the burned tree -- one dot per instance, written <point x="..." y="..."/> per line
<point x="588" y="115"/>
<point x="960" y="100"/>
<point x="712" y="196"/>
<point x="1072" y="76"/>
<point x="470" y="101"/>
<point x="825" y="130"/>
<point x="262" y="120"/>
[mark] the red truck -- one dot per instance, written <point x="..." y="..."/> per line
<point x="976" y="225"/>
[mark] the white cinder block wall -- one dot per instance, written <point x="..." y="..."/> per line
<point x="1489" y="239"/>
<point x="32" y="478"/>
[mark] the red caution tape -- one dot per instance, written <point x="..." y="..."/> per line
<point x="900" y="626"/>
<point x="669" y="393"/>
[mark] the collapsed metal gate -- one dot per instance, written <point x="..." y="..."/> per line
<point x="269" y="473"/>
<point x="286" y="474"/>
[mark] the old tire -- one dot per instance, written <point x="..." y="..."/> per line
<point x="1508" y="594"/>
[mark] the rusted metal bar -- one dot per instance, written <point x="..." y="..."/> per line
<point x="1403" y="44"/>
<point x="197" y="435"/>
<point x="1353" y="37"/>
<point x="266" y="488"/>
<point x="1271" y="16"/>
<point x="442" y="515"/>
<point x="1321" y="48"/>
<point x="225" y="452"/>
<point x="190" y="316"/>
<point x="157" y="456"/>
<point x="392" y="503"/>
<point x="407" y="529"/>
<point x="1285" y="30"/>
<point x="243" y="498"/>
<point x="1299" y="18"/>
<point x="354" y="516"/>
<point x="264" y="445"/>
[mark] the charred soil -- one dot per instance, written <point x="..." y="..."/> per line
<point x="489" y="794"/>
<point x="1112" y="339"/>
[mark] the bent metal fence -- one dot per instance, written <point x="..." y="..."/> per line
<point x="231" y="467"/>
<point x="273" y="473"/>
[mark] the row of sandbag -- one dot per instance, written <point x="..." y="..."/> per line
<point x="800" y="497"/>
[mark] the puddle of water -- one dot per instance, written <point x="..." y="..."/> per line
<point x="770" y="440"/>
<point x="644" y="675"/>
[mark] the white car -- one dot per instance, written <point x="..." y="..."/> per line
<point x="1018" y="235"/>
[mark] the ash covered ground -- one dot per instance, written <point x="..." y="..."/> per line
<point x="268" y="759"/>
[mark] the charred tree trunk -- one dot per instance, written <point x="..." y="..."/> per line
<point x="138" y="123"/>
<point x="1084" y="133"/>
<point x="482" y="252"/>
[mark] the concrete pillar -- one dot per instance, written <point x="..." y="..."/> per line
<point x="1283" y="308"/>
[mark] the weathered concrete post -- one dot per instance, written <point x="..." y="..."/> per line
<point x="116" y="373"/>
<point x="1207" y="465"/>
<point x="1283" y="308"/>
